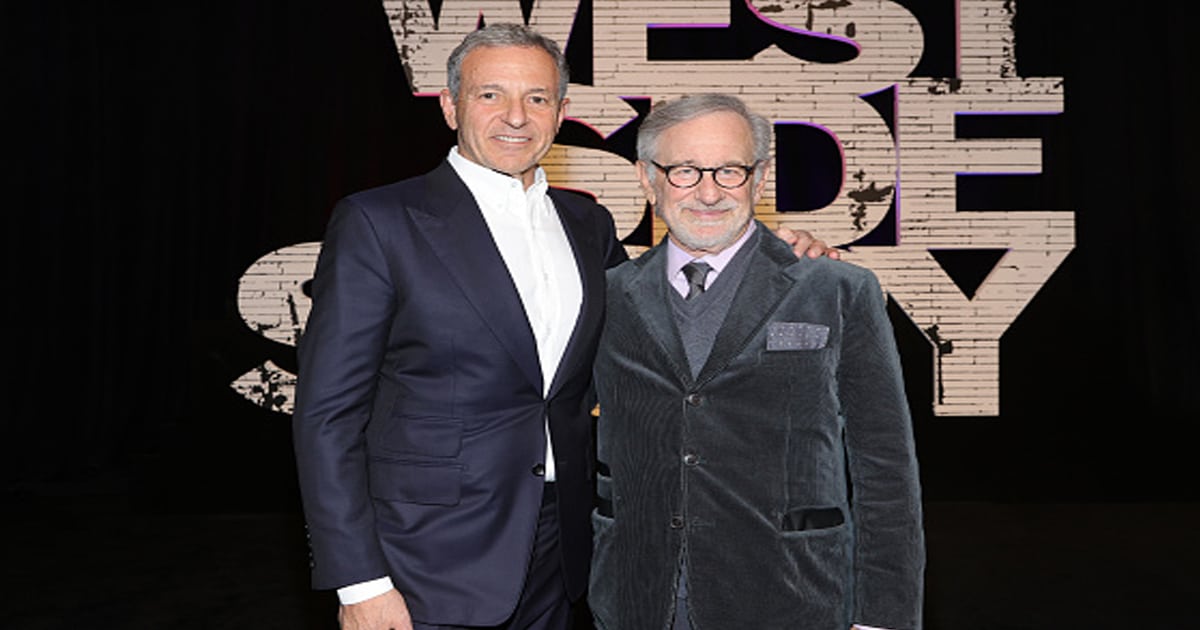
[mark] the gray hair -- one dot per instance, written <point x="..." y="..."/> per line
<point x="500" y="35"/>
<point x="666" y="115"/>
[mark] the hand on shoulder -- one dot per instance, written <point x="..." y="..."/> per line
<point x="805" y="244"/>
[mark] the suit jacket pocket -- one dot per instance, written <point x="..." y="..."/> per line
<point x="604" y="496"/>
<point x="427" y="483"/>
<point x="809" y="518"/>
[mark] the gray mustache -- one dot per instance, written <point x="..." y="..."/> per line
<point x="724" y="204"/>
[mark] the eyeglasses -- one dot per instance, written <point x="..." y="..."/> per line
<point x="687" y="176"/>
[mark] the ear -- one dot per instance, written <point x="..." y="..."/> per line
<point x="761" y="185"/>
<point x="562" y="111"/>
<point x="643" y="173"/>
<point x="449" y="110"/>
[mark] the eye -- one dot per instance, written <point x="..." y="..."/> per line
<point x="730" y="172"/>
<point x="684" y="171"/>
<point x="539" y="100"/>
<point x="488" y="96"/>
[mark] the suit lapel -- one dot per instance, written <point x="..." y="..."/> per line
<point x="760" y="292"/>
<point x="454" y="227"/>
<point x="648" y="297"/>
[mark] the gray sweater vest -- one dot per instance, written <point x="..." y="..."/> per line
<point x="699" y="319"/>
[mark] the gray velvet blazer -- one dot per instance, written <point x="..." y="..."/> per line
<point x="785" y="473"/>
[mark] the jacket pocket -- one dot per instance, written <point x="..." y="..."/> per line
<point x="427" y="483"/>
<point x="604" y="494"/>
<point x="809" y="518"/>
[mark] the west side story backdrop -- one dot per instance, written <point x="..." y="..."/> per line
<point x="155" y="152"/>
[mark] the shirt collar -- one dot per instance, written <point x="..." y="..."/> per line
<point x="677" y="258"/>
<point x="486" y="184"/>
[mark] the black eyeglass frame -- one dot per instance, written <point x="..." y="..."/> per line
<point x="747" y="170"/>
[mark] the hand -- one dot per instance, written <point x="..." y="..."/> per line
<point x="803" y="243"/>
<point x="384" y="612"/>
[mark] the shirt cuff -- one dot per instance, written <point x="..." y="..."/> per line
<point x="363" y="591"/>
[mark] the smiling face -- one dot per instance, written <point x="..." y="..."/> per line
<point x="507" y="111"/>
<point x="705" y="218"/>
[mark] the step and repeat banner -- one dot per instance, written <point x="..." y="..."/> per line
<point x="904" y="134"/>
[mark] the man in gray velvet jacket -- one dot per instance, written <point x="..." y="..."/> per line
<point x="755" y="448"/>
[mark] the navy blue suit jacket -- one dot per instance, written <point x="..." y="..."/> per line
<point x="419" y="413"/>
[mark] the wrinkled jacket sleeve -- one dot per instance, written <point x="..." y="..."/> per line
<point x="889" y="541"/>
<point x="340" y="354"/>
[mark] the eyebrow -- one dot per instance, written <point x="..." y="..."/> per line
<point x="722" y="165"/>
<point x="500" y="88"/>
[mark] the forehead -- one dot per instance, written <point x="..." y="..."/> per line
<point x="529" y="66"/>
<point x="710" y="139"/>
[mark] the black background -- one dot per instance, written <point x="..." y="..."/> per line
<point x="155" y="150"/>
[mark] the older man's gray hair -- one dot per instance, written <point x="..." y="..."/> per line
<point x="668" y="114"/>
<point x="499" y="35"/>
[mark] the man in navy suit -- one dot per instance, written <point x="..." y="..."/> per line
<point x="442" y="425"/>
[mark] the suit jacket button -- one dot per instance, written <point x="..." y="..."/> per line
<point x="676" y="522"/>
<point x="692" y="399"/>
<point x="538" y="470"/>
<point x="691" y="459"/>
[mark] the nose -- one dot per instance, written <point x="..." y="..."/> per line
<point x="708" y="192"/>
<point x="514" y="114"/>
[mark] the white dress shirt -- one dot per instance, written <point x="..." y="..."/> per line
<point x="541" y="263"/>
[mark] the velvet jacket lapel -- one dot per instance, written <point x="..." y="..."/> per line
<point x="647" y="292"/>
<point x="759" y="294"/>
<point x="756" y="299"/>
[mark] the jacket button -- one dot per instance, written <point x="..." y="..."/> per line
<point x="692" y="399"/>
<point x="691" y="459"/>
<point x="676" y="522"/>
<point x="538" y="470"/>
